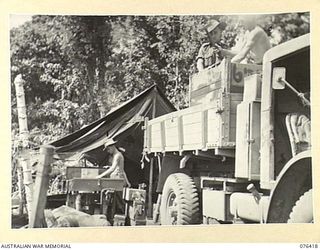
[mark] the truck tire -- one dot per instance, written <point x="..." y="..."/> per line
<point x="302" y="210"/>
<point x="180" y="201"/>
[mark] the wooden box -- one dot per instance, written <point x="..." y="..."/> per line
<point x="205" y="85"/>
<point x="83" y="172"/>
<point x="94" y="185"/>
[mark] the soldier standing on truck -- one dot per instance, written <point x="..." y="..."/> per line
<point x="116" y="170"/>
<point x="255" y="45"/>
<point x="209" y="53"/>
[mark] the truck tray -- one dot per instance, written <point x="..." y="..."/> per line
<point x="210" y="121"/>
<point x="202" y="127"/>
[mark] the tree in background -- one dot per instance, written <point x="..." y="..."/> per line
<point x="63" y="62"/>
<point x="284" y="27"/>
<point x="76" y="68"/>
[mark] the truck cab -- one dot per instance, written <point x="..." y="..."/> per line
<point x="286" y="132"/>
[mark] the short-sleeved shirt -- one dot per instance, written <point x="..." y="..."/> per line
<point x="209" y="55"/>
<point x="260" y="43"/>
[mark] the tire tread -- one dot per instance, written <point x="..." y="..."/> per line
<point x="302" y="210"/>
<point x="188" y="198"/>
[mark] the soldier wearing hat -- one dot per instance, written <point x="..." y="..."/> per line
<point x="209" y="53"/>
<point x="116" y="170"/>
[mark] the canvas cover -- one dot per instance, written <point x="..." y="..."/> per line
<point x="123" y="124"/>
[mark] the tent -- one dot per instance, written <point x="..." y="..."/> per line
<point x="123" y="124"/>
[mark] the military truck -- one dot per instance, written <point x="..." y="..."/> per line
<point x="241" y="151"/>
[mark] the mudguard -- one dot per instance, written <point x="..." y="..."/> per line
<point x="294" y="179"/>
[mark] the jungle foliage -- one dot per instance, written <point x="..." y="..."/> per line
<point x="76" y="68"/>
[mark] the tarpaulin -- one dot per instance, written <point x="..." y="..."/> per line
<point x="123" y="124"/>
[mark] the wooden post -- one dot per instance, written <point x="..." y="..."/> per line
<point x="24" y="139"/>
<point x="41" y="187"/>
<point x="20" y="189"/>
<point x="22" y="111"/>
<point x="150" y="204"/>
<point x="28" y="183"/>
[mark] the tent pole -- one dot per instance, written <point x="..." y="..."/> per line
<point x="150" y="204"/>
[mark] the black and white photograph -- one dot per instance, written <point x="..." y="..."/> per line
<point x="161" y="121"/>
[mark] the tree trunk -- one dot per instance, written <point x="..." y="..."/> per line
<point x="91" y="79"/>
<point x="102" y="40"/>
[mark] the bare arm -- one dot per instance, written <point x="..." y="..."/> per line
<point x="107" y="172"/>
<point x="251" y="41"/>
<point x="110" y="169"/>
<point x="126" y="179"/>
<point x="228" y="53"/>
<point x="200" y="63"/>
<point x="242" y="54"/>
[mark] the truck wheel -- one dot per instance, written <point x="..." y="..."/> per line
<point x="180" y="201"/>
<point x="302" y="210"/>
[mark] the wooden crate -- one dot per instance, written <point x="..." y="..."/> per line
<point x="204" y="86"/>
<point x="83" y="172"/>
<point x="93" y="185"/>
